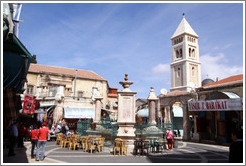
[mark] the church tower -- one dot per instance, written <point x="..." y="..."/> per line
<point x="185" y="66"/>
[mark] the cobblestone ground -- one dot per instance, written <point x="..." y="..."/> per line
<point x="186" y="152"/>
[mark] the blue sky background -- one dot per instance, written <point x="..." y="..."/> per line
<point x="112" y="39"/>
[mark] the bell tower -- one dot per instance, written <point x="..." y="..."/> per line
<point x="185" y="65"/>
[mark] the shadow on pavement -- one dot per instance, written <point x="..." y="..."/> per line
<point x="20" y="156"/>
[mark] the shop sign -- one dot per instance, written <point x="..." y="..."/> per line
<point x="216" y="105"/>
<point x="29" y="104"/>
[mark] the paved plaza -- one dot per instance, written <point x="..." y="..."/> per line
<point x="187" y="152"/>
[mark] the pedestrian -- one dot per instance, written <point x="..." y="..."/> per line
<point x="43" y="133"/>
<point x="34" y="139"/>
<point x="169" y="135"/>
<point x="236" y="148"/>
<point x="22" y="133"/>
<point x="179" y="133"/>
<point x="58" y="128"/>
<point x="12" y="136"/>
<point x="65" y="129"/>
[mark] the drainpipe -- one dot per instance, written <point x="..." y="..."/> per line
<point x="75" y="83"/>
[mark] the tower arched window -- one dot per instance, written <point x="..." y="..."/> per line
<point x="189" y="52"/>
<point x="178" y="73"/>
<point x="193" y="52"/>
<point x="177" y="53"/>
<point x="180" y="53"/>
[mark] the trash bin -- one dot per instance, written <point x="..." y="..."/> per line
<point x="175" y="143"/>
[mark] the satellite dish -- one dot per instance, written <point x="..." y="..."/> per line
<point x="163" y="91"/>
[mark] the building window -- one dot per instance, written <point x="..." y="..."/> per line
<point x="80" y="94"/>
<point x="180" y="53"/>
<point x="177" y="54"/>
<point x="193" y="53"/>
<point x="193" y="71"/>
<point x="52" y="91"/>
<point x="29" y="90"/>
<point x="178" y="74"/>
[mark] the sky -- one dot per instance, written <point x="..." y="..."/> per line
<point x="112" y="39"/>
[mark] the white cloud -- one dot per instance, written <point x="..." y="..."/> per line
<point x="216" y="48"/>
<point x="216" y="66"/>
<point x="161" y="68"/>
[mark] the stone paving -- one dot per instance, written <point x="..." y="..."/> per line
<point x="183" y="154"/>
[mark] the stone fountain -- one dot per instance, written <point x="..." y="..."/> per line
<point x="126" y="112"/>
<point x="152" y="130"/>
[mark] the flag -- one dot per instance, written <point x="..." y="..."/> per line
<point x="16" y="11"/>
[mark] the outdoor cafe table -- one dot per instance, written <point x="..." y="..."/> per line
<point x="140" y="145"/>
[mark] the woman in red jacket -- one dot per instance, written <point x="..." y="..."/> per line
<point x="34" y="139"/>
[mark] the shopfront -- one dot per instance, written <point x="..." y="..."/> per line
<point x="216" y="119"/>
<point x="73" y="115"/>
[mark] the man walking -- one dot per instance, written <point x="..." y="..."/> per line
<point x="34" y="139"/>
<point x="43" y="133"/>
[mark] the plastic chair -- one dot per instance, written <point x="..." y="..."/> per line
<point x="117" y="146"/>
<point x="91" y="145"/>
<point x="101" y="144"/>
<point x="124" y="146"/>
<point x="84" y="142"/>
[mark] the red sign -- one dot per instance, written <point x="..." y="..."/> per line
<point x="29" y="104"/>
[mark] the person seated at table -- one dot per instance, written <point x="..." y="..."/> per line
<point x="169" y="135"/>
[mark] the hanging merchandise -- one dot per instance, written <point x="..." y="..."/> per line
<point x="29" y="104"/>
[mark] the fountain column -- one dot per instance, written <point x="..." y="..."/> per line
<point x="152" y="104"/>
<point x="126" y="112"/>
<point x="152" y="131"/>
<point x="98" y="107"/>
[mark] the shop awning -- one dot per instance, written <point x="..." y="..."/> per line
<point x="79" y="113"/>
<point x="16" y="61"/>
<point x="13" y="44"/>
<point x="143" y="112"/>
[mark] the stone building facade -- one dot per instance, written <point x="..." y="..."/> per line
<point x="61" y="90"/>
